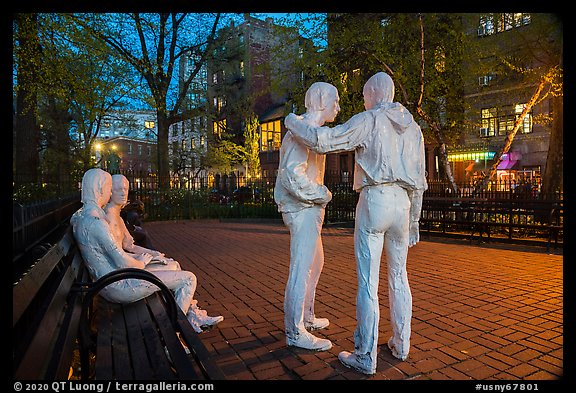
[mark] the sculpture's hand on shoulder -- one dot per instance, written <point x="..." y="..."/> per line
<point x="291" y="120"/>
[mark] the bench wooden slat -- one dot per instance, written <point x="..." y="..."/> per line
<point x="142" y="366"/>
<point x="120" y="350"/>
<point x="104" y="365"/>
<point x="155" y="348"/>
<point x="198" y="350"/>
<point x="40" y="351"/>
<point x="26" y="289"/>
<point x="182" y="363"/>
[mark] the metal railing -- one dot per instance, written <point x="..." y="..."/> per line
<point x="504" y="210"/>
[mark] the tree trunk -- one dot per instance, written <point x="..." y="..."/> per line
<point x="554" y="172"/>
<point x="439" y="136"/>
<point x="163" y="161"/>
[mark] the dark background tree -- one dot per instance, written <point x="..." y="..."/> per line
<point x="27" y="53"/>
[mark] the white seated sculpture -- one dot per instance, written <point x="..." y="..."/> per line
<point x="102" y="255"/>
<point x="301" y="197"/>
<point x="390" y="177"/>
<point x="120" y="233"/>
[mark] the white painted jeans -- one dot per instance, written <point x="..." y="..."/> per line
<point x="306" y="262"/>
<point x="382" y="218"/>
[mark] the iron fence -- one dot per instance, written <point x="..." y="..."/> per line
<point x="503" y="210"/>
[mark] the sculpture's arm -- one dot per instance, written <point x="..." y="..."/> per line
<point x="129" y="245"/>
<point x="114" y="253"/>
<point x="294" y="177"/>
<point x="416" y="196"/>
<point x="344" y="137"/>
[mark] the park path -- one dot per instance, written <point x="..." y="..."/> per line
<point x="480" y="312"/>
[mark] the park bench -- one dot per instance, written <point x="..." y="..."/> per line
<point x="59" y="319"/>
<point x="484" y="217"/>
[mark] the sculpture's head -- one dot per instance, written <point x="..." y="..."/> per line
<point x="96" y="187"/>
<point x="120" y="186"/>
<point x="377" y="90"/>
<point x="322" y="98"/>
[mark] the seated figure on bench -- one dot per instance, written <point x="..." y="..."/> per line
<point x="122" y="236"/>
<point x="102" y="255"/>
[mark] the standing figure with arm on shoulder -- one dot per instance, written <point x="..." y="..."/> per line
<point x="390" y="177"/>
<point x="301" y="197"/>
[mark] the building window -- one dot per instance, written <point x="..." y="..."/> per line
<point x="485" y="80"/>
<point x="526" y="126"/>
<point x="219" y="127"/>
<point x="500" y="121"/>
<point x="129" y="148"/>
<point x="219" y="103"/>
<point x="499" y="23"/>
<point x="149" y="151"/>
<point x="270" y="136"/>
<point x="486" y="26"/>
<point x="139" y="150"/>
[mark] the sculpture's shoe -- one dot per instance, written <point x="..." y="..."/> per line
<point x="394" y="349"/>
<point x="193" y="321"/>
<point x="199" y="318"/>
<point x="317" y="324"/>
<point x="308" y="341"/>
<point x="211" y="321"/>
<point x="352" y="360"/>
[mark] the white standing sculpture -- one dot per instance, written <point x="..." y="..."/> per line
<point x="390" y="177"/>
<point x="301" y="197"/>
<point x="120" y="233"/>
<point x="103" y="255"/>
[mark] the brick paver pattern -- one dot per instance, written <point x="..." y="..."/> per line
<point x="479" y="313"/>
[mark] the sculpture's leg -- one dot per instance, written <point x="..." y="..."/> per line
<point x="368" y="243"/>
<point x="182" y="283"/>
<point x="304" y="232"/>
<point x="400" y="296"/>
<point x="310" y="320"/>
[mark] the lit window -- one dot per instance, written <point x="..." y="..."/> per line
<point x="218" y="127"/>
<point x="500" y="121"/>
<point x="270" y="136"/>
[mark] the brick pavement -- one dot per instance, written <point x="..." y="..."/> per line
<point x="479" y="313"/>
